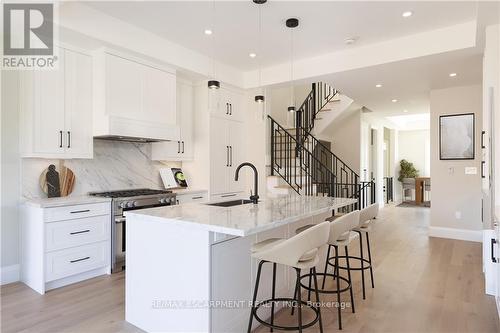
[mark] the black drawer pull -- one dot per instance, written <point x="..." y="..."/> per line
<point x="195" y="198"/>
<point x="482" y="139"/>
<point x="80" y="211"/>
<point x="483" y="163"/>
<point x="81" y="259"/>
<point x="228" y="195"/>
<point x="79" y="232"/>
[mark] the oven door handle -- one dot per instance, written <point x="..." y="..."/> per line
<point x="119" y="219"/>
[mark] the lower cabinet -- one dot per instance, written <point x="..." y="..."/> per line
<point x="64" y="245"/>
<point x="191" y="197"/>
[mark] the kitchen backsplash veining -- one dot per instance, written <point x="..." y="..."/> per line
<point x="116" y="165"/>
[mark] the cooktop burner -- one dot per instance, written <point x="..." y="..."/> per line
<point x="129" y="193"/>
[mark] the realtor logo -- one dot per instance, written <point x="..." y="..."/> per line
<point x="28" y="36"/>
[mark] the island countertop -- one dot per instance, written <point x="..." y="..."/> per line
<point x="243" y="220"/>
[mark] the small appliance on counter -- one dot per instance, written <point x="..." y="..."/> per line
<point x="173" y="178"/>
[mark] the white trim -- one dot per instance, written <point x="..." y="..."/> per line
<point x="9" y="274"/>
<point x="454" y="233"/>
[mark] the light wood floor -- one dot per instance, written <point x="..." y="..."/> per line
<point x="421" y="285"/>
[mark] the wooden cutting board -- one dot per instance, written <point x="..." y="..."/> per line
<point x="63" y="187"/>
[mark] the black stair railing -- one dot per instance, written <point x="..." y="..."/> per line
<point x="306" y="164"/>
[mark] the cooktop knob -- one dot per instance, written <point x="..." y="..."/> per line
<point x="130" y="204"/>
<point x="123" y="205"/>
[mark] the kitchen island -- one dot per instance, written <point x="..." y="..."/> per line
<point x="189" y="267"/>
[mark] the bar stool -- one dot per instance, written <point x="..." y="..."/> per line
<point x="299" y="252"/>
<point x="366" y="216"/>
<point x="340" y="236"/>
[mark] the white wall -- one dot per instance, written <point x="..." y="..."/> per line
<point x="414" y="147"/>
<point x="456" y="197"/>
<point x="10" y="174"/>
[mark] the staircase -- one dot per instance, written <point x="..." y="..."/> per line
<point x="301" y="163"/>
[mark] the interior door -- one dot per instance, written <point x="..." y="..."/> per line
<point x="236" y="155"/>
<point x="49" y="110"/>
<point x="78" y="102"/>
<point x="219" y="155"/>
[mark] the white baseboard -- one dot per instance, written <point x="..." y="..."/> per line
<point x="9" y="274"/>
<point x="459" y="234"/>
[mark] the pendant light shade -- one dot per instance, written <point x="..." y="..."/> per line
<point x="291" y="109"/>
<point x="213" y="84"/>
<point x="259" y="99"/>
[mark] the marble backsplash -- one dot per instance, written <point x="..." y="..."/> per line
<point x="116" y="165"/>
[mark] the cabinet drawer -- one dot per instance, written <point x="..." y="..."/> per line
<point x="197" y="197"/>
<point x="64" y="234"/>
<point x="64" y="263"/>
<point x="77" y="211"/>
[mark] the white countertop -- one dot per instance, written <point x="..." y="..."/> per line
<point x="245" y="219"/>
<point x="63" y="201"/>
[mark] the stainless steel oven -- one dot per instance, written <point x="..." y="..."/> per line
<point x="126" y="200"/>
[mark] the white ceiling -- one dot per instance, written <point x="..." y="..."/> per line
<point x="324" y="24"/>
<point x="409" y="81"/>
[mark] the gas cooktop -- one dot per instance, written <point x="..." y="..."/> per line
<point x="129" y="193"/>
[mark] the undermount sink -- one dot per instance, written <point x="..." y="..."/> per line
<point x="231" y="203"/>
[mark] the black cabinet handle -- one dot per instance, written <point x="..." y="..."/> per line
<point x="178" y="147"/>
<point x="77" y="260"/>
<point x="60" y="139"/>
<point x="227" y="156"/>
<point x="483" y="163"/>
<point x="69" y="139"/>
<point x="230" y="109"/>
<point x="231" y="155"/>
<point x="228" y="195"/>
<point x="196" y="198"/>
<point x="482" y="139"/>
<point x="80" y="211"/>
<point x="79" y="232"/>
<point x="493" y="242"/>
<point x="183" y="147"/>
<point x="227" y="108"/>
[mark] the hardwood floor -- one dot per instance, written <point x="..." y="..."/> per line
<point x="421" y="285"/>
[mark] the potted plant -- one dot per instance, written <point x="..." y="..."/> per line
<point x="407" y="170"/>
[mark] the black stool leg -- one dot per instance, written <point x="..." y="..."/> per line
<point x="273" y="295"/>
<point x="370" y="259"/>
<point x="295" y="295"/>
<point x="317" y="298"/>
<point x="339" y="310"/>
<point x="299" y="299"/>
<point x="349" y="277"/>
<point x="309" y="291"/>
<point x="326" y="267"/>
<point x="254" y="300"/>
<point x="362" y="263"/>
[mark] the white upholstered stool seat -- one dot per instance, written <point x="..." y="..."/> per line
<point x="345" y="239"/>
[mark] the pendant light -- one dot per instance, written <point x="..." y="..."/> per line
<point x="213" y="83"/>
<point x="292" y="23"/>
<point x="260" y="98"/>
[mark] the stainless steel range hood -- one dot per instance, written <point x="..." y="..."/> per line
<point x="127" y="138"/>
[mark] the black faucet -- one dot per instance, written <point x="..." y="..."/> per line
<point x="255" y="197"/>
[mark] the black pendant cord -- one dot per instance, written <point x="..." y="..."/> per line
<point x="260" y="98"/>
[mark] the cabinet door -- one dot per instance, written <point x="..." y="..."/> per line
<point x="236" y="155"/>
<point x="219" y="155"/>
<point x="158" y="95"/>
<point x="123" y="88"/>
<point x="78" y="102"/>
<point x="185" y="115"/>
<point x="235" y="106"/>
<point x="48" y="121"/>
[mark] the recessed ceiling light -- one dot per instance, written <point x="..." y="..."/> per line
<point x="208" y="32"/>
<point x="252" y="55"/>
<point x="350" y="40"/>
<point x="405" y="111"/>
<point x="453" y="74"/>
<point x="408" y="13"/>
<point x="378" y="85"/>
<point x="394" y="100"/>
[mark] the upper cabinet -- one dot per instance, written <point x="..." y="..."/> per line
<point x="134" y="98"/>
<point x="182" y="149"/>
<point x="56" y="109"/>
<point x="226" y="103"/>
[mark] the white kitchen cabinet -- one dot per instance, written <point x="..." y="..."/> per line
<point x="226" y="103"/>
<point x="183" y="198"/>
<point x="56" y="109"/>
<point x="226" y="147"/>
<point x="134" y="98"/>
<point x="182" y="149"/>
<point x="64" y="244"/>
